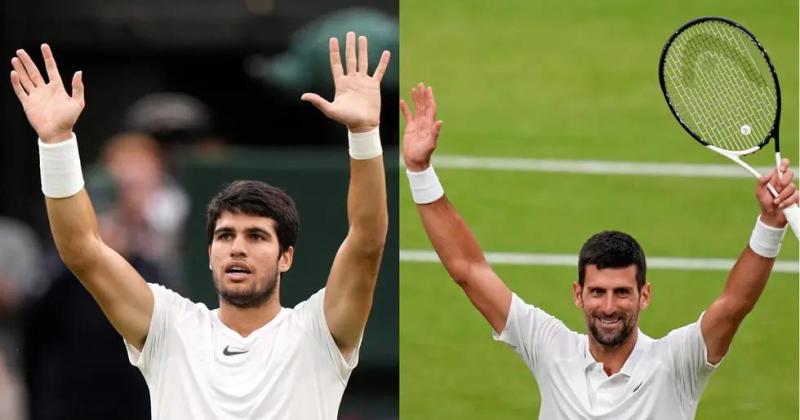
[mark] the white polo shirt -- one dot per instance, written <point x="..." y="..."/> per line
<point x="197" y="368"/>
<point x="661" y="380"/>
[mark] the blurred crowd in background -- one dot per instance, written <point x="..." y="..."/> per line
<point x="163" y="81"/>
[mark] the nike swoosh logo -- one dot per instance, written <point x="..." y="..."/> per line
<point x="637" y="386"/>
<point x="227" y="352"/>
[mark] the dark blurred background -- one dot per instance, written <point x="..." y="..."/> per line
<point x="181" y="98"/>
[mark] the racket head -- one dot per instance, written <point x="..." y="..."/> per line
<point x="721" y="85"/>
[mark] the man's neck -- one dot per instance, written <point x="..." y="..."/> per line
<point x="613" y="358"/>
<point x="246" y="320"/>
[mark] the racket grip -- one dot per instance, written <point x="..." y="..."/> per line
<point x="792" y="214"/>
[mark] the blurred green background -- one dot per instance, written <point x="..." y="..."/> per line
<point x="578" y="81"/>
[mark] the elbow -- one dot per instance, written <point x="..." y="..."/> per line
<point x="371" y="237"/>
<point x="462" y="272"/>
<point x="79" y="256"/>
<point x="369" y="242"/>
<point x="741" y="310"/>
<point x="738" y="309"/>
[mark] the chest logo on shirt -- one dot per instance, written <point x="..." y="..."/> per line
<point x="227" y="352"/>
<point x="637" y="386"/>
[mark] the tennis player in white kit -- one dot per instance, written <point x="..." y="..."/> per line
<point x="251" y="358"/>
<point x="615" y="372"/>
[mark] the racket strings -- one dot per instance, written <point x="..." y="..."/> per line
<point x="718" y="87"/>
<point x="722" y="88"/>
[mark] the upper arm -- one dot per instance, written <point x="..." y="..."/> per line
<point x="745" y="283"/>
<point x="463" y="259"/>
<point x="119" y="290"/>
<point x="487" y="292"/>
<point x="354" y="273"/>
<point x="349" y="292"/>
<point x="718" y="326"/>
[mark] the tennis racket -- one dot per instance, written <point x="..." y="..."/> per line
<point x="722" y="87"/>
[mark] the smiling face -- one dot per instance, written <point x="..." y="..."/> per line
<point x="611" y="302"/>
<point x="246" y="261"/>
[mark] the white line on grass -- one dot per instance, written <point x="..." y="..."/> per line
<point x="593" y="166"/>
<point x="668" y="263"/>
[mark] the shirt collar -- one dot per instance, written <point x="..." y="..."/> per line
<point x="630" y="363"/>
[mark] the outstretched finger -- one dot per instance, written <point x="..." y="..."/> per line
<point x="319" y="102"/>
<point x="363" y="63"/>
<point x="437" y="127"/>
<point x="24" y="80"/>
<point x="77" y="87"/>
<point x="431" y="102"/>
<point x="21" y="94"/>
<point x="50" y="65"/>
<point x="419" y="104"/>
<point x="350" y="52"/>
<point x="336" y="59"/>
<point x="406" y="112"/>
<point x="383" y="63"/>
<point x="30" y="67"/>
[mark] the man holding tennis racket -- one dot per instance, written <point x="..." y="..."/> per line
<point x="615" y="371"/>
<point x="251" y="358"/>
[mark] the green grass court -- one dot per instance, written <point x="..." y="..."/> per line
<point x="578" y="80"/>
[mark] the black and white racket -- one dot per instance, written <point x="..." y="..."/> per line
<point x="722" y="87"/>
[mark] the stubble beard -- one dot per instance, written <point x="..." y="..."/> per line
<point x="250" y="298"/>
<point x="612" y="340"/>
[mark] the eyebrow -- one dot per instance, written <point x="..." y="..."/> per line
<point x="248" y="230"/>
<point x="615" y="289"/>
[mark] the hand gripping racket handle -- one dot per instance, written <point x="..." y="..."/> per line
<point x="792" y="213"/>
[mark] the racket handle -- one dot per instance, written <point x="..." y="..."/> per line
<point x="792" y="214"/>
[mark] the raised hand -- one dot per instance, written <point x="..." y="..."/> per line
<point x="357" y="102"/>
<point x="422" y="130"/>
<point x="772" y="207"/>
<point x="50" y="110"/>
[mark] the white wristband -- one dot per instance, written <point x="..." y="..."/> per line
<point x="365" y="145"/>
<point x="425" y="186"/>
<point x="60" y="168"/>
<point x="766" y="240"/>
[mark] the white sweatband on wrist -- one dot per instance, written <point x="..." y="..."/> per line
<point x="365" y="145"/>
<point x="60" y="168"/>
<point x="766" y="240"/>
<point x="425" y="186"/>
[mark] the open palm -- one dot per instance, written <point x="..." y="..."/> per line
<point x="50" y="110"/>
<point x="357" y="102"/>
<point x="421" y="133"/>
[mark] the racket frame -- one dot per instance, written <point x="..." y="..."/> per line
<point x="792" y="212"/>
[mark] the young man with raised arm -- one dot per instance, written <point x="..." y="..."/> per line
<point x="615" y="371"/>
<point x="251" y="358"/>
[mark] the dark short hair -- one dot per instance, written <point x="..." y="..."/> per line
<point x="612" y="249"/>
<point x="256" y="198"/>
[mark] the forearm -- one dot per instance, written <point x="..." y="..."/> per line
<point x="366" y="205"/>
<point x="74" y="228"/>
<point x="746" y="282"/>
<point x="453" y="241"/>
<point x="72" y="219"/>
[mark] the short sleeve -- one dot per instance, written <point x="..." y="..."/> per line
<point x="687" y="350"/>
<point x="312" y="314"/>
<point x="532" y="333"/>
<point x="167" y="307"/>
